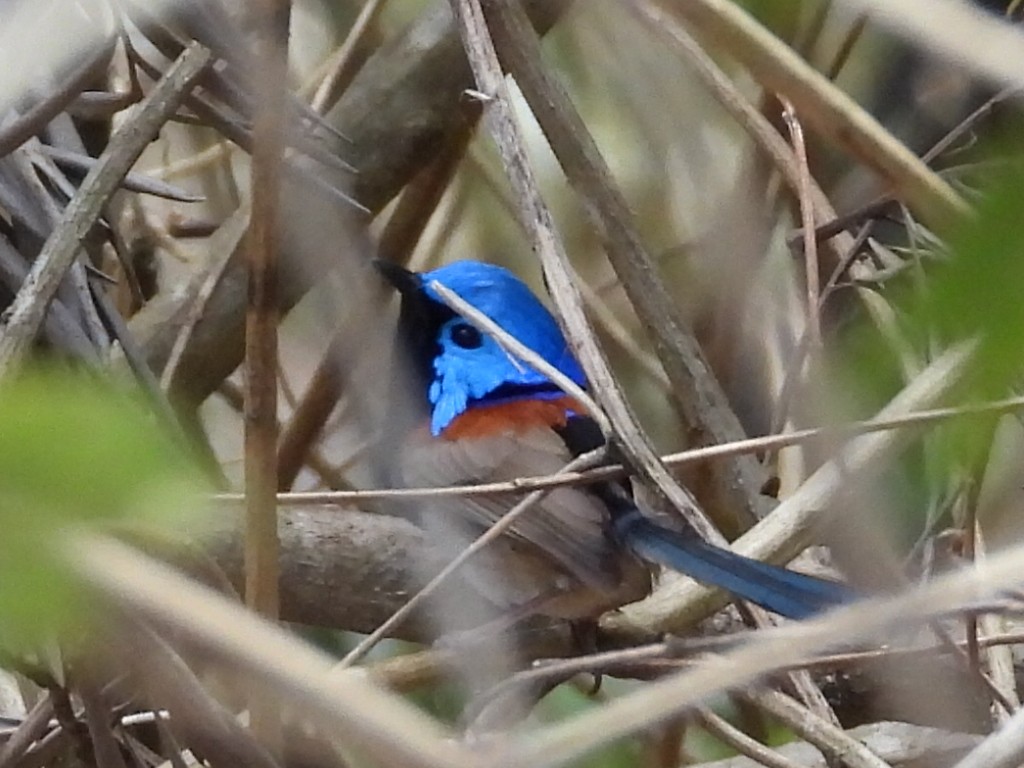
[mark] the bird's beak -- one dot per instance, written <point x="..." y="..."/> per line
<point x="406" y="282"/>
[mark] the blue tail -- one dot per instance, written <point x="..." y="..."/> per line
<point x="787" y="593"/>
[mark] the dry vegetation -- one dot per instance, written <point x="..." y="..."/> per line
<point x="784" y="236"/>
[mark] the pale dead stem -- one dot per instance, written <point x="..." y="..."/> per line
<point x="346" y="704"/>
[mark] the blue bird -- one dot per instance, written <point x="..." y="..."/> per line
<point x="491" y="417"/>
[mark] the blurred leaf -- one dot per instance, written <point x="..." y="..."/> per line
<point x="75" y="452"/>
<point x="978" y="292"/>
<point x="971" y="291"/>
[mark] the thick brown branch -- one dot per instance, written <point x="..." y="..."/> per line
<point x="339" y="568"/>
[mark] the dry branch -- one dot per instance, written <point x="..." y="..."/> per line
<point x="21" y="321"/>
<point x="363" y="563"/>
<point x="831" y="740"/>
<point x="746" y="745"/>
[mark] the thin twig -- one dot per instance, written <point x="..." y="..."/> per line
<point x="135" y="182"/>
<point x="842" y="54"/>
<point x="408" y="672"/>
<point x="21" y="321"/>
<point x="341" y="67"/>
<point x="513" y="346"/>
<point x="796" y="133"/>
<point x="733" y="737"/>
<point x="696" y="455"/>
<point x="829" y="738"/>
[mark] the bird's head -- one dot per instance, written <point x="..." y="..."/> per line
<point x="459" y="366"/>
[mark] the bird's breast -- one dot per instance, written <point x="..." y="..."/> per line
<point x="515" y="416"/>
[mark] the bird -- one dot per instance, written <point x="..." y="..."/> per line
<point x="483" y="415"/>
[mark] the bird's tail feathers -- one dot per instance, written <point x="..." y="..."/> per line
<point x="787" y="593"/>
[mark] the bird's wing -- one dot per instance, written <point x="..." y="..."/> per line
<point x="569" y="525"/>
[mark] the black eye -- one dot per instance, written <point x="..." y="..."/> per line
<point x="466" y="336"/>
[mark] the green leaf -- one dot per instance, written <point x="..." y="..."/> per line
<point x="76" y="452"/>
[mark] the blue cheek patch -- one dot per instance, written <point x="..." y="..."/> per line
<point x="466" y="375"/>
